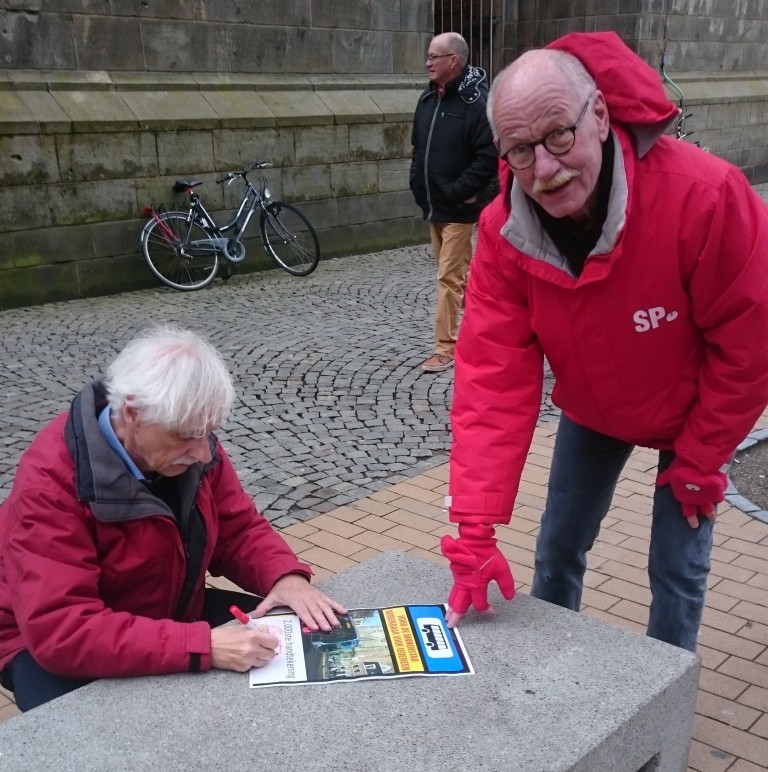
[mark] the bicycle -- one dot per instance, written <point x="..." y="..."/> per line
<point x="185" y="249"/>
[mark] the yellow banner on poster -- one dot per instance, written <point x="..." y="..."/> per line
<point x="407" y="656"/>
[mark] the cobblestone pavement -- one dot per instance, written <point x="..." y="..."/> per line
<point x="333" y="403"/>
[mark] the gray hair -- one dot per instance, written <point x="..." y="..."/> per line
<point x="174" y="377"/>
<point x="571" y="67"/>
<point x="456" y="44"/>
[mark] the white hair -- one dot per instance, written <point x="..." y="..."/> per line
<point x="174" y="378"/>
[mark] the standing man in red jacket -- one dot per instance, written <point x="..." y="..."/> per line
<point x="638" y="264"/>
<point x="454" y="161"/>
<point x="117" y="511"/>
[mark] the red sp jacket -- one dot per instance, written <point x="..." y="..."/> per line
<point x="92" y="565"/>
<point x="663" y="339"/>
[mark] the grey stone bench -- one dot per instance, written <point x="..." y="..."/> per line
<point x="553" y="691"/>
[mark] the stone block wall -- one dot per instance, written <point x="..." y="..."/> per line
<point x="695" y="35"/>
<point x="82" y="158"/>
<point x="729" y="117"/>
<point x="104" y="103"/>
<point x="715" y="50"/>
<point x="257" y="36"/>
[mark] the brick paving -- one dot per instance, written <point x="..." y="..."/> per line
<point x="343" y="443"/>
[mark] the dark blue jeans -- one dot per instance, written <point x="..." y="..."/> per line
<point x="585" y="469"/>
<point x="33" y="685"/>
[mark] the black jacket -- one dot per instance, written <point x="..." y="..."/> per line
<point x="454" y="157"/>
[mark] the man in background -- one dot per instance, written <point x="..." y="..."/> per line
<point x="454" y="161"/>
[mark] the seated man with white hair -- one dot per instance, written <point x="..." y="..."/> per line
<point x="117" y="511"/>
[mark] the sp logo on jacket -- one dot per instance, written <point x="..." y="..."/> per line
<point x="651" y="318"/>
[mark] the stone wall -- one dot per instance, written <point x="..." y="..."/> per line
<point x="729" y="117"/>
<point x="709" y="36"/>
<point x="256" y="36"/>
<point x="83" y="156"/>
<point x="104" y="103"/>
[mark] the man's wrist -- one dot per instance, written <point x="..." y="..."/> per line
<point x="476" y="531"/>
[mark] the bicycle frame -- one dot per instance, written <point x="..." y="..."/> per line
<point x="251" y="201"/>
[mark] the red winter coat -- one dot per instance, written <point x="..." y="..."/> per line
<point x="92" y="565"/>
<point x="663" y="339"/>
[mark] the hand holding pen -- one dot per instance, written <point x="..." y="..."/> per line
<point x="252" y="624"/>
<point x="241" y="647"/>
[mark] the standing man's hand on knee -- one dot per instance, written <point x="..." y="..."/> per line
<point x="476" y="561"/>
<point x="699" y="493"/>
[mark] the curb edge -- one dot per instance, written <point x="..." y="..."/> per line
<point x="732" y="495"/>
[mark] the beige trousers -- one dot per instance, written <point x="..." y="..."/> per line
<point x="452" y="248"/>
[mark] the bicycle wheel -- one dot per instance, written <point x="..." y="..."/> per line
<point x="181" y="256"/>
<point x="289" y="238"/>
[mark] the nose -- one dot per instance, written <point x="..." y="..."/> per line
<point x="545" y="164"/>
<point x="200" y="450"/>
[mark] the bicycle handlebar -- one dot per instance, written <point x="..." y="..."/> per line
<point x="231" y="176"/>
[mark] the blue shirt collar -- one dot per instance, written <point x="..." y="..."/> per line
<point x="109" y="435"/>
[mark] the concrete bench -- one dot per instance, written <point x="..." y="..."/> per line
<point x="553" y="691"/>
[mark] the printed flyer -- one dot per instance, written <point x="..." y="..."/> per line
<point x="392" y="642"/>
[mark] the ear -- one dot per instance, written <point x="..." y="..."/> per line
<point x="129" y="413"/>
<point x="601" y="115"/>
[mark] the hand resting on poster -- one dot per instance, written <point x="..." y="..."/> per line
<point x="315" y="609"/>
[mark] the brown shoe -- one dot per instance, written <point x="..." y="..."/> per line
<point x="437" y="363"/>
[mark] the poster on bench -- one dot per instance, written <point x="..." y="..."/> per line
<point x="392" y="642"/>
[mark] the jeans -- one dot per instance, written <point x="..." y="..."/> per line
<point x="585" y="469"/>
<point x="33" y="685"/>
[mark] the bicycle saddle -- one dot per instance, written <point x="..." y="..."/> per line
<point x="182" y="186"/>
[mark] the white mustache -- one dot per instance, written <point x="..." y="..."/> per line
<point x="184" y="461"/>
<point x="553" y="183"/>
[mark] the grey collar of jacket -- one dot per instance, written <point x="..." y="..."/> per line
<point x="102" y="479"/>
<point x="646" y="135"/>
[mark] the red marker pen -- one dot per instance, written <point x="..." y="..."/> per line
<point x="243" y="618"/>
<point x="252" y="624"/>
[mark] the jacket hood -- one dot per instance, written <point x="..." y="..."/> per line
<point x="632" y="89"/>
<point x="470" y="85"/>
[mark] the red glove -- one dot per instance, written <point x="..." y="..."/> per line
<point x="475" y="562"/>
<point x="698" y="493"/>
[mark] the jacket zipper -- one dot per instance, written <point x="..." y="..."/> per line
<point x="188" y="584"/>
<point x="426" y="158"/>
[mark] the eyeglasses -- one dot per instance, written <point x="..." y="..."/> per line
<point x="432" y="57"/>
<point x="557" y="142"/>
